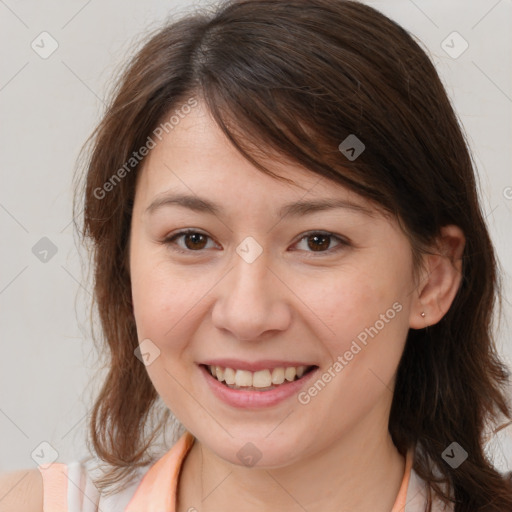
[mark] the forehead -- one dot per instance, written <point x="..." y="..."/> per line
<point x="196" y="158"/>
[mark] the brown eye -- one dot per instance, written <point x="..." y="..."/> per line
<point x="318" y="242"/>
<point x="192" y="241"/>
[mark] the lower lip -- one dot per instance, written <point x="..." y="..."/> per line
<point x="255" y="399"/>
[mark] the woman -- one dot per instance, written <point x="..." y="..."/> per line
<point x="289" y="252"/>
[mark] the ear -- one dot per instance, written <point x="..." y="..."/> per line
<point x="440" y="279"/>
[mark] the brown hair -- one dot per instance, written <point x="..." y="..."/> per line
<point x="296" y="78"/>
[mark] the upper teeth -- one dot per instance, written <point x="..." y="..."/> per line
<point x="259" y="379"/>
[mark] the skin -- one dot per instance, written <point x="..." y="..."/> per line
<point x="334" y="453"/>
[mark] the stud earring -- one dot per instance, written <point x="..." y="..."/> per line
<point x="423" y="314"/>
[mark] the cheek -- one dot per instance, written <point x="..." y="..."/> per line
<point x="369" y="325"/>
<point x="163" y="301"/>
<point x="167" y="300"/>
<point x="160" y="301"/>
<point x="155" y="294"/>
<point x="353" y="302"/>
<point x="366" y="310"/>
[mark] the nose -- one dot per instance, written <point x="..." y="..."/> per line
<point x="251" y="301"/>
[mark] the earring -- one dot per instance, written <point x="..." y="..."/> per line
<point x="423" y="314"/>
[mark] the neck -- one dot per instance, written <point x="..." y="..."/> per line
<point x="361" y="471"/>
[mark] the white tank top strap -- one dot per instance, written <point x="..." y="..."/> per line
<point x="82" y="495"/>
<point x="55" y="487"/>
<point x="70" y="488"/>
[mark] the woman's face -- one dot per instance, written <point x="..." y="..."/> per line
<point x="268" y="280"/>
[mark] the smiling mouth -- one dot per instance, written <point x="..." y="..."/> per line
<point x="262" y="380"/>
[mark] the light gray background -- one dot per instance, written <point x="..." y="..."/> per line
<point x="49" y="107"/>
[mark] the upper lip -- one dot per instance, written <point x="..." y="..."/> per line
<point x="254" y="366"/>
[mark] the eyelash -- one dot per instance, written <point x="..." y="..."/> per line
<point x="170" y="241"/>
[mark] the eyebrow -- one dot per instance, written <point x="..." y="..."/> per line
<point x="296" y="209"/>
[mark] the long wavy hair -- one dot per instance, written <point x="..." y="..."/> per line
<point x="295" y="78"/>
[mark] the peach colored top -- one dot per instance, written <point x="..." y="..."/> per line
<point x="156" y="490"/>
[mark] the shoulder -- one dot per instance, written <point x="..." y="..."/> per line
<point x="21" y="490"/>
<point x="84" y="495"/>
<point x="62" y="487"/>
